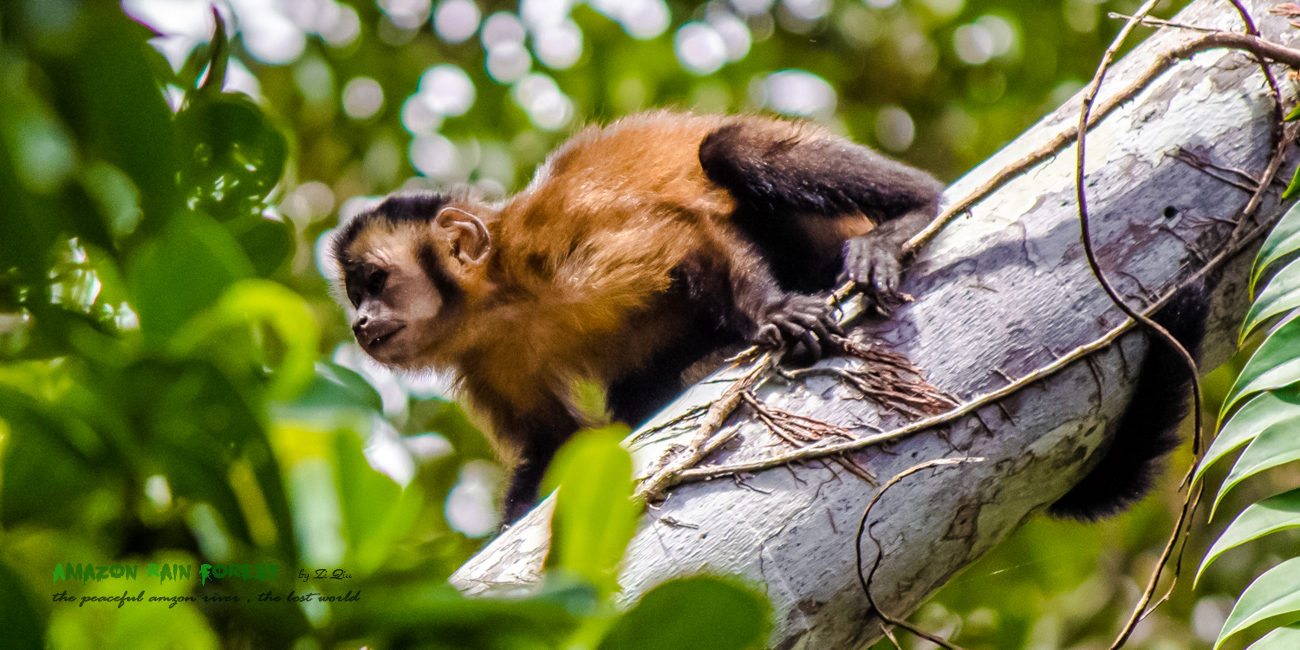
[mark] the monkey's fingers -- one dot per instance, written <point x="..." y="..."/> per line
<point x="803" y="348"/>
<point x="818" y="325"/>
<point x="768" y="335"/>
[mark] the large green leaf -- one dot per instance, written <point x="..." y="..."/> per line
<point x="1272" y="594"/>
<point x="233" y="156"/>
<point x="1280" y="296"/>
<point x="267" y="242"/>
<point x="25" y="233"/>
<point x="375" y="509"/>
<point x="595" y="515"/>
<point x="1273" y="365"/>
<point x="1283" y="638"/>
<point x="1261" y="412"/>
<point x="120" y="111"/>
<point x="1274" y="446"/>
<point x="436" y="611"/>
<point x="701" y="612"/>
<point x="183" y="272"/>
<point x="262" y="301"/>
<point x="335" y="386"/>
<point x="1278" y="512"/>
<point x="46" y="466"/>
<point x="1282" y="241"/>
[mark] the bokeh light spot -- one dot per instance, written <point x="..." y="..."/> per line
<point x="894" y="128"/>
<point x="700" y="48"/>
<point x="456" y="20"/>
<point x="362" y="98"/>
<point x="798" y="92"/>
<point x="447" y="90"/>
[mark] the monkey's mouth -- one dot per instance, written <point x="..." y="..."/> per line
<point x="380" y="338"/>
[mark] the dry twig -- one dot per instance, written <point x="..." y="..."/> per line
<point x="706" y="439"/>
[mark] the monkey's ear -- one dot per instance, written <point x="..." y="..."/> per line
<point x="468" y="235"/>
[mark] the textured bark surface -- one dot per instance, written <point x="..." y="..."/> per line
<point x="998" y="294"/>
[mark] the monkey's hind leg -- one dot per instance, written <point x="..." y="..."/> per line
<point x="799" y="191"/>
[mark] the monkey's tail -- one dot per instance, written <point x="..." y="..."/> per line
<point x="1148" y="429"/>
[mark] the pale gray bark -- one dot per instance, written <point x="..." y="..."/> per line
<point x="997" y="293"/>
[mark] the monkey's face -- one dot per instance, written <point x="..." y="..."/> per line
<point x="407" y="281"/>
<point x="396" y="306"/>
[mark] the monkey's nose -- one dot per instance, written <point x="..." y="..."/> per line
<point x="359" y="327"/>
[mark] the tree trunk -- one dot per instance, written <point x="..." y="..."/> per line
<point x="999" y="293"/>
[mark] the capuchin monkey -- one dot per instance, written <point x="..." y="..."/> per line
<point x="638" y="249"/>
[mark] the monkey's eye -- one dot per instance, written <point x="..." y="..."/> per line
<point x="375" y="283"/>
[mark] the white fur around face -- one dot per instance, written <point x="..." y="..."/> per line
<point x="409" y="300"/>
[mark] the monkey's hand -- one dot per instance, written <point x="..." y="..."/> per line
<point x="873" y="262"/>
<point x="800" y="325"/>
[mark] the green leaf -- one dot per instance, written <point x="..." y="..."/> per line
<point x="1274" y="446"/>
<point x="1278" y="512"/>
<point x="220" y="56"/>
<point x="438" y="611"/>
<point x="1295" y="113"/>
<point x="250" y="301"/>
<point x="267" y="242"/>
<point x="1282" y="241"/>
<point x="46" y="472"/>
<point x="120" y="111"/>
<point x="335" y="386"/>
<point x="595" y="515"/>
<point x="1280" y="296"/>
<point x="376" y="510"/>
<point x="25" y="233"/>
<point x="1273" y="365"/>
<point x="701" y="612"/>
<point x="232" y="156"/>
<point x="18" y="617"/>
<point x="1293" y="187"/>
<point x="182" y="273"/>
<point x="1283" y="638"/>
<point x="1271" y="594"/>
<point x="1261" y="412"/>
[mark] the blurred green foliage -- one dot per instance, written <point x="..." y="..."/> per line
<point x="176" y="384"/>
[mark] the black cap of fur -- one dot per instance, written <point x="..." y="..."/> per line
<point x="1148" y="429"/>
<point x="395" y="209"/>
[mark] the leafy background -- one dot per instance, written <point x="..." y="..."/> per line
<point x="178" y="385"/>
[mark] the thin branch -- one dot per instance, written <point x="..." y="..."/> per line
<point x="864" y="529"/>
<point x="705" y="440"/>
<point x="1152" y="21"/>
<point x="1278" y="115"/>
<point x="1085" y="236"/>
<point x="690" y="414"/>
<point x="1200" y="164"/>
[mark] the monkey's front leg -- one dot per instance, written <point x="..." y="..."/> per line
<point x="532" y="422"/>
<point x="874" y="260"/>
<point x="527" y="476"/>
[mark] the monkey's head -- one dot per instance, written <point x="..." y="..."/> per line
<point x="406" y="267"/>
